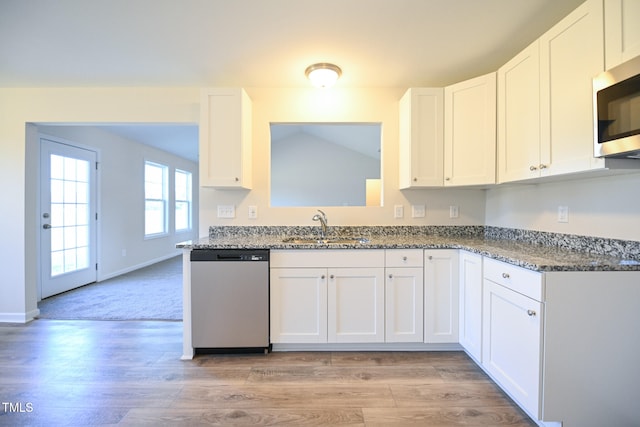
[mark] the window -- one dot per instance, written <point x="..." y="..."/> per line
<point x="155" y="199"/>
<point x="183" y="200"/>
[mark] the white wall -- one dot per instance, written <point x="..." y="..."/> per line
<point x="600" y="207"/>
<point x="606" y="207"/>
<point x="278" y="105"/>
<point x="121" y="199"/>
<point x="18" y="217"/>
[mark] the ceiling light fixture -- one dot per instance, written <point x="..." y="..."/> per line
<point x="323" y="74"/>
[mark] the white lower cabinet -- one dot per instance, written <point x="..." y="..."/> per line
<point x="298" y="300"/>
<point x="512" y="332"/>
<point x="441" y="289"/>
<point x="404" y="280"/>
<point x="470" y="323"/>
<point x="320" y="296"/>
<point x="355" y="305"/>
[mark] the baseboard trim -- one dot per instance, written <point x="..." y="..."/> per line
<point x="102" y="278"/>
<point x="368" y="347"/>
<point x="19" y="317"/>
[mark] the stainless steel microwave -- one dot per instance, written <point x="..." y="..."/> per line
<point x="616" y="101"/>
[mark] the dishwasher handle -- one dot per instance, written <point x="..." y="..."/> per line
<point x="231" y="255"/>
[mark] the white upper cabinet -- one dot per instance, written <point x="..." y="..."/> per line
<point x="421" y="138"/>
<point x="470" y="132"/>
<point x="225" y="138"/>
<point x="571" y="54"/>
<point x="519" y="116"/>
<point x="545" y="107"/>
<point x="622" y="31"/>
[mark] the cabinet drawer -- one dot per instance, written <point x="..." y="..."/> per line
<point x="327" y="258"/>
<point x="403" y="258"/>
<point x="519" y="279"/>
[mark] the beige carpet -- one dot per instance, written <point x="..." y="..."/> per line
<point x="151" y="293"/>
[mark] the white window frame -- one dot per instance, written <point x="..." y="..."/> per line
<point x="164" y="200"/>
<point x="187" y="201"/>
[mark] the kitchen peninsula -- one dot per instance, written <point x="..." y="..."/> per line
<point x="551" y="318"/>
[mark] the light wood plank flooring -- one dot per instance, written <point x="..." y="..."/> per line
<point x="83" y="373"/>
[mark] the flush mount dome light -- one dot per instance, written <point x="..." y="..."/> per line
<point x="323" y="74"/>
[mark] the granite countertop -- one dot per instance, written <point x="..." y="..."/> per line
<point x="532" y="256"/>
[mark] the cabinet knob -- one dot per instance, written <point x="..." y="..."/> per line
<point x="531" y="313"/>
<point x="415" y="179"/>
<point x="533" y="168"/>
<point x="447" y="179"/>
<point x="390" y="276"/>
<point x="404" y="258"/>
<point x="237" y="179"/>
<point x="542" y="166"/>
<point x="430" y="257"/>
<point x="332" y="277"/>
<point x="323" y="276"/>
<point x="505" y="275"/>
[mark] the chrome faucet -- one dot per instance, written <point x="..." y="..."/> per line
<point x="322" y="217"/>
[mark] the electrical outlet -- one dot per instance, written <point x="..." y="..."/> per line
<point x="398" y="211"/>
<point x="563" y="214"/>
<point x="226" y="211"/>
<point x="417" y="211"/>
<point x="454" y="212"/>
<point x="253" y="212"/>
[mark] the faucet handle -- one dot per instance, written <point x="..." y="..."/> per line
<point x="324" y="216"/>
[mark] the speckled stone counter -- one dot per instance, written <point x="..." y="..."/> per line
<point x="536" y="251"/>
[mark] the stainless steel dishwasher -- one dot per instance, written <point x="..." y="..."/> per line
<point x="230" y="300"/>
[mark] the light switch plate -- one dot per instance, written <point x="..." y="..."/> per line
<point x="226" y="211"/>
<point x="454" y="212"/>
<point x="418" y="211"/>
<point x="398" y="211"/>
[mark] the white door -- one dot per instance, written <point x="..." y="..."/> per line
<point x="67" y="217"/>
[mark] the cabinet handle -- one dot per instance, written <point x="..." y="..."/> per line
<point x="542" y="166"/>
<point x="531" y="313"/>
<point x="533" y="168"/>
<point x="505" y="275"/>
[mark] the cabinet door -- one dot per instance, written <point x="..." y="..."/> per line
<point x="356" y="305"/>
<point x="622" y="32"/>
<point x="441" y="296"/>
<point x="471" y="304"/>
<point x="404" y="302"/>
<point x="225" y="138"/>
<point x="571" y="53"/>
<point x="511" y="343"/>
<point x="421" y="138"/>
<point x="470" y="132"/>
<point x="519" y="116"/>
<point x="298" y="300"/>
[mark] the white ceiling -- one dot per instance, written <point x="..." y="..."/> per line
<point x="260" y="43"/>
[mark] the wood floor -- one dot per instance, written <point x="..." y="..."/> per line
<point x="83" y="373"/>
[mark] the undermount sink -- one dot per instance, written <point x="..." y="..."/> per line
<point x="326" y="241"/>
